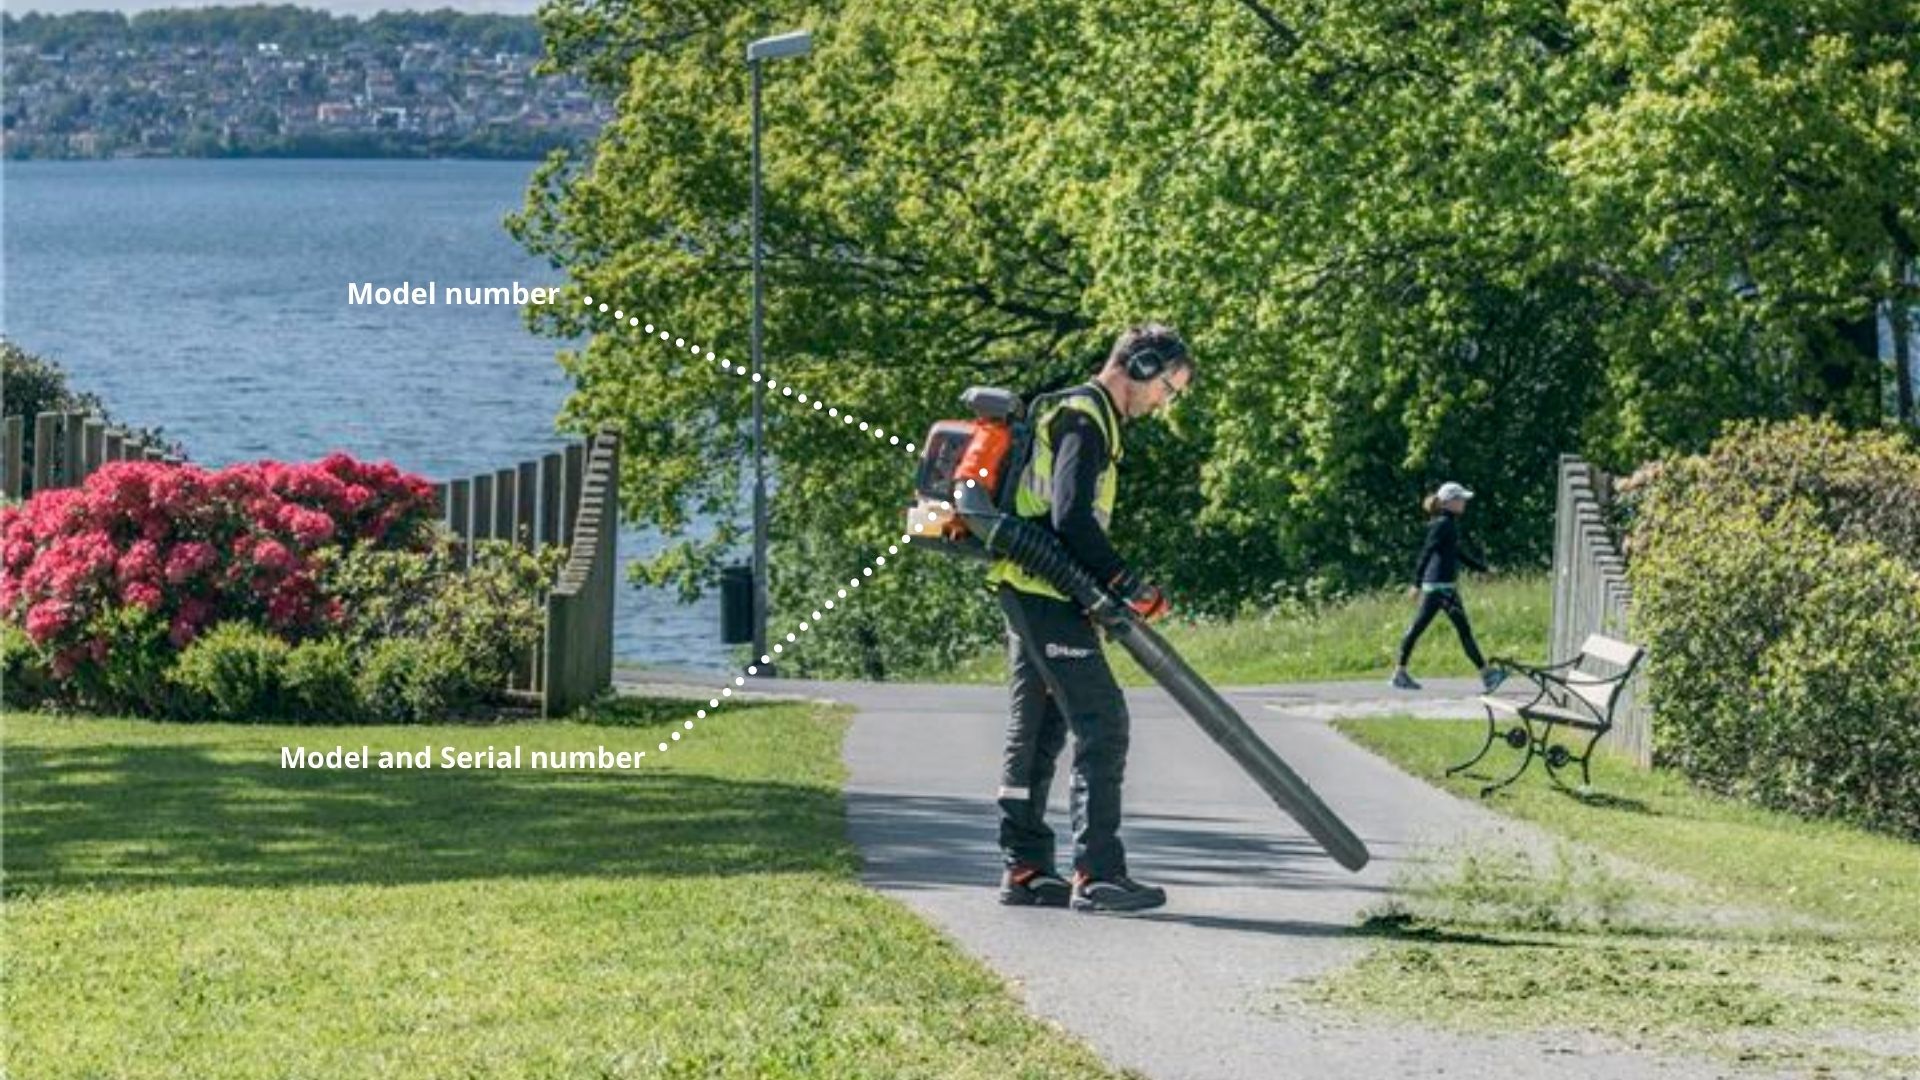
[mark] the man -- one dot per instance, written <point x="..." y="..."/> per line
<point x="1060" y="678"/>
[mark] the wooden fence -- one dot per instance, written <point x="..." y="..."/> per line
<point x="66" y="448"/>
<point x="568" y="497"/>
<point x="1591" y="594"/>
<point x="577" y="657"/>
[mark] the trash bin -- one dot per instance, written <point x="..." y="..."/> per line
<point x="736" y="605"/>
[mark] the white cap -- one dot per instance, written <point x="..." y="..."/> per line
<point x="1450" y="491"/>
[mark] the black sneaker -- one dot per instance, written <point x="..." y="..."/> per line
<point x="1033" y="886"/>
<point x="1117" y="893"/>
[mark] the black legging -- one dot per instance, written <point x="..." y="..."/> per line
<point x="1432" y="603"/>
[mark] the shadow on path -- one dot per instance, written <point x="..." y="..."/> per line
<point x="930" y="841"/>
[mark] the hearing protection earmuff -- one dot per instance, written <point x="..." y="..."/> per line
<point x="1147" y="359"/>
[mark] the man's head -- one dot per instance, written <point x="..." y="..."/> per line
<point x="1148" y="367"/>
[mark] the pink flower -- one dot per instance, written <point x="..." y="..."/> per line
<point x="285" y="609"/>
<point x="310" y="528"/>
<point x="309" y="485"/>
<point x="50" y="510"/>
<point x="141" y="562"/>
<point x="143" y="594"/>
<point x="193" y="546"/>
<point x="189" y="621"/>
<point x="76" y="560"/>
<point x="18" y="554"/>
<point x="47" y="619"/>
<point x="188" y="560"/>
<point x="273" y="555"/>
<point x="16" y="537"/>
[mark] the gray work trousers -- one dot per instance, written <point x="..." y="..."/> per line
<point x="1060" y="682"/>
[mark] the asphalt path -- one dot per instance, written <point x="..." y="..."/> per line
<point x="1208" y="987"/>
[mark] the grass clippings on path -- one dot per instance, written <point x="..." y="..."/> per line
<point x="1660" y="915"/>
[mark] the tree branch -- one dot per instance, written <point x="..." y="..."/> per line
<point x="1282" y="40"/>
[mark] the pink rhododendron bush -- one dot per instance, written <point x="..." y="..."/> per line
<point x="108" y="587"/>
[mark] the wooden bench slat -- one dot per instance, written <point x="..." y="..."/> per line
<point x="1596" y="690"/>
<point x="1559" y="690"/>
<point x="1565" y="717"/>
<point x="1610" y="651"/>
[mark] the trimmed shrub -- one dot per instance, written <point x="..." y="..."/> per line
<point x="1777" y="588"/>
<point x="1861" y="485"/>
<point x="233" y="672"/>
<point x="419" y="680"/>
<point x="135" y="671"/>
<point x="486" y="618"/>
<point x="113" y="584"/>
<point x="319" y="683"/>
<point x="495" y="612"/>
<point x="23" y="674"/>
<point x="192" y="548"/>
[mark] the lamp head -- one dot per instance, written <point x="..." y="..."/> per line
<point x="780" y="46"/>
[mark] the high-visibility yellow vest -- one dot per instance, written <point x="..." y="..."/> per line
<point x="1034" y="496"/>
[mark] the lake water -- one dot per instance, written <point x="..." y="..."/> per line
<point x="209" y="298"/>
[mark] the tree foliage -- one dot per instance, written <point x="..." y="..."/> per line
<point x="33" y="385"/>
<point x="1409" y="239"/>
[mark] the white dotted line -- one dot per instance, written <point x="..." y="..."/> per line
<point x="866" y="572"/>
<point x="786" y="390"/>
<point x="935" y="519"/>
<point x="725" y="693"/>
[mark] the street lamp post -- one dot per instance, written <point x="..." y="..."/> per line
<point x="770" y="48"/>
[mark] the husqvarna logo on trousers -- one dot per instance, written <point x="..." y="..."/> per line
<point x="1066" y="652"/>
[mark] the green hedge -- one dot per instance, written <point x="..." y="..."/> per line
<point x="423" y="641"/>
<point x="1777" y="587"/>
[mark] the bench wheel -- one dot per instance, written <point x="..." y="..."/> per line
<point x="1517" y="736"/>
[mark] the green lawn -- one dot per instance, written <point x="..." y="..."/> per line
<point x="180" y="906"/>
<point x="1711" y="926"/>
<point x="1352" y="639"/>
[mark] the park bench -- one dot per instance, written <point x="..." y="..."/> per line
<point x="1578" y="694"/>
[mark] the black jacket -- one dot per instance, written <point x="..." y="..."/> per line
<point x="1441" y="557"/>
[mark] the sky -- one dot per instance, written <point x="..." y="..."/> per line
<point x="338" y="7"/>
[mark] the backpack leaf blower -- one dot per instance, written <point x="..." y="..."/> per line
<point x="965" y="486"/>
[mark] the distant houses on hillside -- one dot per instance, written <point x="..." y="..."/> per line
<point x="120" y="96"/>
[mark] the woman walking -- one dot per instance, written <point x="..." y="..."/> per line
<point x="1436" y="583"/>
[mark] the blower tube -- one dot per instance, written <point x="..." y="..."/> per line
<point x="1040" y="551"/>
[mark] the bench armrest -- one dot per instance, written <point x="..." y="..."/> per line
<point x="1531" y="670"/>
<point x="1563" y="694"/>
<point x="1537" y="676"/>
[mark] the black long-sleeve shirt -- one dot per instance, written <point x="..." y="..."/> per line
<point x="1440" y="557"/>
<point x="1080" y="455"/>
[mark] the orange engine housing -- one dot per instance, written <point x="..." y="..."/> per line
<point x="985" y="459"/>
<point x="956" y="451"/>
